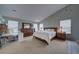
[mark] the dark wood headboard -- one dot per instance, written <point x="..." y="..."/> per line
<point x="55" y="28"/>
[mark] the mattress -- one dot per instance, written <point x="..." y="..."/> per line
<point x="45" y="35"/>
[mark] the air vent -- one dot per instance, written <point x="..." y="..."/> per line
<point x="14" y="10"/>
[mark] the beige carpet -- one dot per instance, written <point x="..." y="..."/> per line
<point x="29" y="45"/>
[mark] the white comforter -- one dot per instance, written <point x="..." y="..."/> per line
<point x="45" y="35"/>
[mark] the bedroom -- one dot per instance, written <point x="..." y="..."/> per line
<point x="56" y="24"/>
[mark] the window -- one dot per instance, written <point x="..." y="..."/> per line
<point x="13" y="27"/>
<point x="2" y="20"/>
<point x="41" y="27"/>
<point x="66" y="26"/>
<point x="35" y="26"/>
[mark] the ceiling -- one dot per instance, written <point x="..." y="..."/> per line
<point x="32" y="12"/>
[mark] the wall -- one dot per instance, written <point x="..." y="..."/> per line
<point x="20" y="21"/>
<point x="75" y="21"/>
<point x="69" y="12"/>
<point x="53" y="20"/>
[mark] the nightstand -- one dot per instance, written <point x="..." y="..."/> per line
<point x="61" y="35"/>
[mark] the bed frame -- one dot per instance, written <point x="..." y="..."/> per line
<point x="55" y="28"/>
<point x="34" y="37"/>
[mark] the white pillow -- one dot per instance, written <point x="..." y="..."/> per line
<point x="49" y="30"/>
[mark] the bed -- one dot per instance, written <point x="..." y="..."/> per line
<point x="46" y="35"/>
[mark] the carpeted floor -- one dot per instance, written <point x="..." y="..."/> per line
<point x="34" y="46"/>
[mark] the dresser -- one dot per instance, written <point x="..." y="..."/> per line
<point x="61" y="35"/>
<point x="27" y="29"/>
<point x="3" y="28"/>
<point x="27" y="32"/>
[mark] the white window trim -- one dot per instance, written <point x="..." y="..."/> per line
<point x="66" y="24"/>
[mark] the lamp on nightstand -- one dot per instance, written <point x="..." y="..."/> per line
<point x="60" y="30"/>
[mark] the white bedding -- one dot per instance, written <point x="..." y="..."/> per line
<point x="45" y="35"/>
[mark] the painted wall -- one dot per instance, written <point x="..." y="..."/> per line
<point x="20" y="21"/>
<point x="53" y="20"/>
<point x="69" y="12"/>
